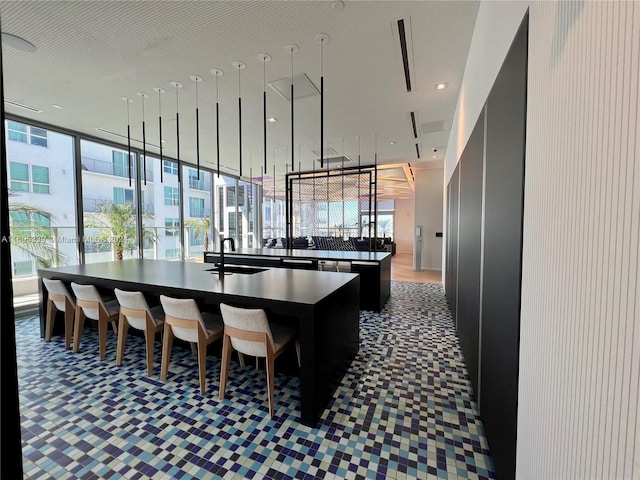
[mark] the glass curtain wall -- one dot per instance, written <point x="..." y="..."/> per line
<point x="197" y="212"/>
<point x="235" y="211"/>
<point x="42" y="181"/>
<point x="41" y="170"/>
<point x="110" y="203"/>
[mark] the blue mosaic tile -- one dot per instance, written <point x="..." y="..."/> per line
<point x="404" y="409"/>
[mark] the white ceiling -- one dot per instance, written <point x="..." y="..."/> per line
<point x="89" y="54"/>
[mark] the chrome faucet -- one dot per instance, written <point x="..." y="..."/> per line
<point x="233" y="249"/>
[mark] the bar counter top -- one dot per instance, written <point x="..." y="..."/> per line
<point x="276" y="284"/>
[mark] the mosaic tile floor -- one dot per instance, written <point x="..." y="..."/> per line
<point x="403" y="410"/>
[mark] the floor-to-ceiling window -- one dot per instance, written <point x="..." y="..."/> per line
<point x="235" y="210"/>
<point x="197" y="212"/>
<point x="42" y="205"/>
<point x="109" y="202"/>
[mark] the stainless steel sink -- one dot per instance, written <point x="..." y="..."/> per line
<point x="228" y="269"/>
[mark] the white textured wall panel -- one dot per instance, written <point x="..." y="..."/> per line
<point x="580" y="320"/>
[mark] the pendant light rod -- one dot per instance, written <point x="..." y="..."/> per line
<point x="196" y="79"/>
<point x="128" y="101"/>
<point x="239" y="66"/>
<point x="321" y="39"/>
<point x="217" y="73"/>
<point x="359" y="173"/>
<point x="264" y="58"/>
<point x="177" y="86"/>
<point x="292" y="49"/>
<point x="144" y="139"/>
<point x="160" y="91"/>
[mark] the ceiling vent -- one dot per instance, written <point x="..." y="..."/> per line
<point x="327" y="151"/>
<point x="403" y="40"/>
<point x="413" y="117"/>
<point x="435" y="127"/>
<point x="335" y="160"/>
<point x="302" y="87"/>
<point x="21" y="105"/>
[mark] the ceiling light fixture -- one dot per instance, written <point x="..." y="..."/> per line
<point x="217" y="73"/>
<point x="264" y="58"/>
<point x="22" y="105"/>
<point x="18" y="43"/>
<point x="177" y="86"/>
<point x="441" y="86"/>
<point x="321" y="39"/>
<point x="292" y="49"/>
<point x="128" y="101"/>
<point x="197" y="80"/>
<point x="144" y="139"/>
<point x="239" y="66"/>
<point x="272" y="119"/>
<point x="55" y="105"/>
<point x="160" y="91"/>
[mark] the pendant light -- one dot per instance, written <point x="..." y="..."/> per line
<point x="375" y="187"/>
<point x="128" y="101"/>
<point x="292" y="49"/>
<point x="321" y="39"/>
<point x="359" y="177"/>
<point x="177" y="86"/>
<point x="160" y="91"/>
<point x="344" y="229"/>
<point x="264" y="58"/>
<point x="239" y="66"/>
<point x="217" y="73"/>
<point x="196" y="79"/>
<point x="144" y="139"/>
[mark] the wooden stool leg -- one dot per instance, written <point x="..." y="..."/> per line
<point x="123" y="329"/>
<point x="78" y="329"/>
<point x="224" y="370"/>
<point x="202" y="365"/>
<point x="298" y="352"/>
<point x="51" y="314"/>
<point x="102" y="335"/>
<point x="69" y="314"/>
<point x="270" y="382"/>
<point x="167" y="343"/>
<point x="150" y="337"/>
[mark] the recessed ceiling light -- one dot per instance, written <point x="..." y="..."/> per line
<point x="441" y="86"/>
<point x="18" y="43"/>
<point x="392" y="143"/>
<point x="435" y="156"/>
<point x="272" y="119"/>
<point x="55" y="105"/>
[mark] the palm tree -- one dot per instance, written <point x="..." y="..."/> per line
<point x="117" y="224"/>
<point x="201" y="226"/>
<point x="32" y="237"/>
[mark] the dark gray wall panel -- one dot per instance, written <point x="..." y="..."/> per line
<point x="468" y="295"/>
<point x="452" y="242"/>
<point x="505" y="150"/>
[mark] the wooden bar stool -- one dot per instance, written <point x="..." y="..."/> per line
<point x="59" y="300"/>
<point x="248" y="332"/>
<point x="184" y="320"/>
<point x="135" y="312"/>
<point x="90" y="304"/>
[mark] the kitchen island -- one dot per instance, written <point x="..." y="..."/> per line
<point x="374" y="267"/>
<point x="323" y="305"/>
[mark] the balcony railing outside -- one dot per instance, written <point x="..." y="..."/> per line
<point x="109" y="168"/>
<point x="92" y="205"/>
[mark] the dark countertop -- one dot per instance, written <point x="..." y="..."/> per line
<point x="279" y="284"/>
<point x="341" y="256"/>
